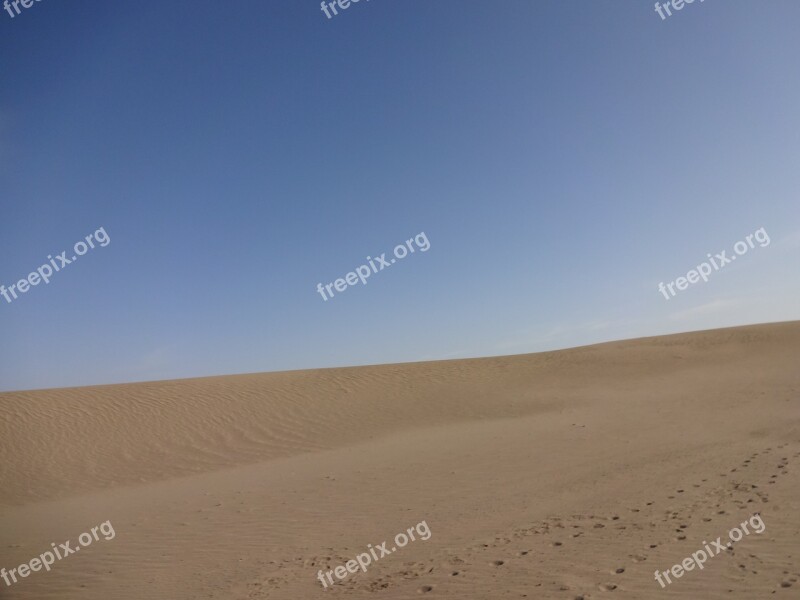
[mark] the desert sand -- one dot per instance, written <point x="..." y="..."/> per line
<point x="567" y="474"/>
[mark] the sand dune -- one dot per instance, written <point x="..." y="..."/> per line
<point x="564" y="474"/>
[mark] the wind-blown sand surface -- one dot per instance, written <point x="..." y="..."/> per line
<point x="564" y="474"/>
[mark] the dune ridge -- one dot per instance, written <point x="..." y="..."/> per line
<point x="101" y="436"/>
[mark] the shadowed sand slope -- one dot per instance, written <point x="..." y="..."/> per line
<point x="563" y="474"/>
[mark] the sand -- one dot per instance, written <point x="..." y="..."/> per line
<point x="568" y="474"/>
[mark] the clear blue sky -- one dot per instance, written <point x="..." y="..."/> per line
<point x="562" y="157"/>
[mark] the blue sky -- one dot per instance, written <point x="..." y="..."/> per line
<point x="562" y="157"/>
